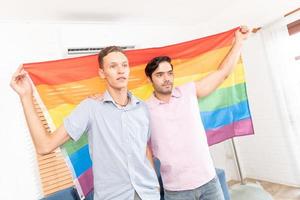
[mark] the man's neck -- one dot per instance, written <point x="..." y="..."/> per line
<point x="120" y="96"/>
<point x="163" y="97"/>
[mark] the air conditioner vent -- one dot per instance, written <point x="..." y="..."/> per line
<point x="92" y="50"/>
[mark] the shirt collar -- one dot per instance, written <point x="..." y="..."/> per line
<point x="175" y="94"/>
<point x="107" y="98"/>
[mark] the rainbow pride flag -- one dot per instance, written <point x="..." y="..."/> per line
<point x="62" y="84"/>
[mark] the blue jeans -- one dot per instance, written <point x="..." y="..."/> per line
<point x="209" y="191"/>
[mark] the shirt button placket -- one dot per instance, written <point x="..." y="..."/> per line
<point x="128" y="147"/>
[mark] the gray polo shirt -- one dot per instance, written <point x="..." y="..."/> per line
<point x="117" y="139"/>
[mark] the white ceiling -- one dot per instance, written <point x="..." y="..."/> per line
<point x="250" y="12"/>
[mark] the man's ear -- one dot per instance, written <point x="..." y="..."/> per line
<point x="101" y="73"/>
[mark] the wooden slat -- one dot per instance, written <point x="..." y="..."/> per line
<point x="48" y="186"/>
<point x="58" y="188"/>
<point x="57" y="176"/>
<point x="51" y="159"/>
<point x="43" y="157"/>
<point x="54" y="163"/>
<point x="54" y="173"/>
<point x="40" y="114"/>
<point x="55" y="181"/>
<point x="42" y="118"/>
<point x="54" y="167"/>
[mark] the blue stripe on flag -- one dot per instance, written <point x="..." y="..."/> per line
<point x="225" y="116"/>
<point x="81" y="160"/>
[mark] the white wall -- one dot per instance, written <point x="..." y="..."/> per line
<point x="30" y="42"/>
<point x="19" y="176"/>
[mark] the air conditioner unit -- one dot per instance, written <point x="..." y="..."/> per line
<point x="92" y="50"/>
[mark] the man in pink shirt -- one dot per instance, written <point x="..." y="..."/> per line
<point x="178" y="138"/>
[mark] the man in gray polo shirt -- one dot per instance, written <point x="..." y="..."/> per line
<point x="118" y="132"/>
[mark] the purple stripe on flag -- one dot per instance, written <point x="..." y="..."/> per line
<point x="238" y="128"/>
<point x="86" y="181"/>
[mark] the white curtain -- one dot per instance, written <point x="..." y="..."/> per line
<point x="285" y="73"/>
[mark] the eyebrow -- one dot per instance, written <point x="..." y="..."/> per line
<point x="164" y="72"/>
<point x="113" y="62"/>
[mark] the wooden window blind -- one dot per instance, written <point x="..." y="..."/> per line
<point x="54" y="172"/>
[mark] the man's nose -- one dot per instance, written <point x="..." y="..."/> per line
<point x="167" y="77"/>
<point x="121" y="70"/>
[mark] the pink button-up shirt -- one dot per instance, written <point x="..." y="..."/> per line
<point x="178" y="140"/>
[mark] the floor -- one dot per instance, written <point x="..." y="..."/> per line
<point x="278" y="191"/>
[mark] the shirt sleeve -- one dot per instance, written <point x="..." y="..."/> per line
<point x="78" y="121"/>
<point x="189" y="89"/>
